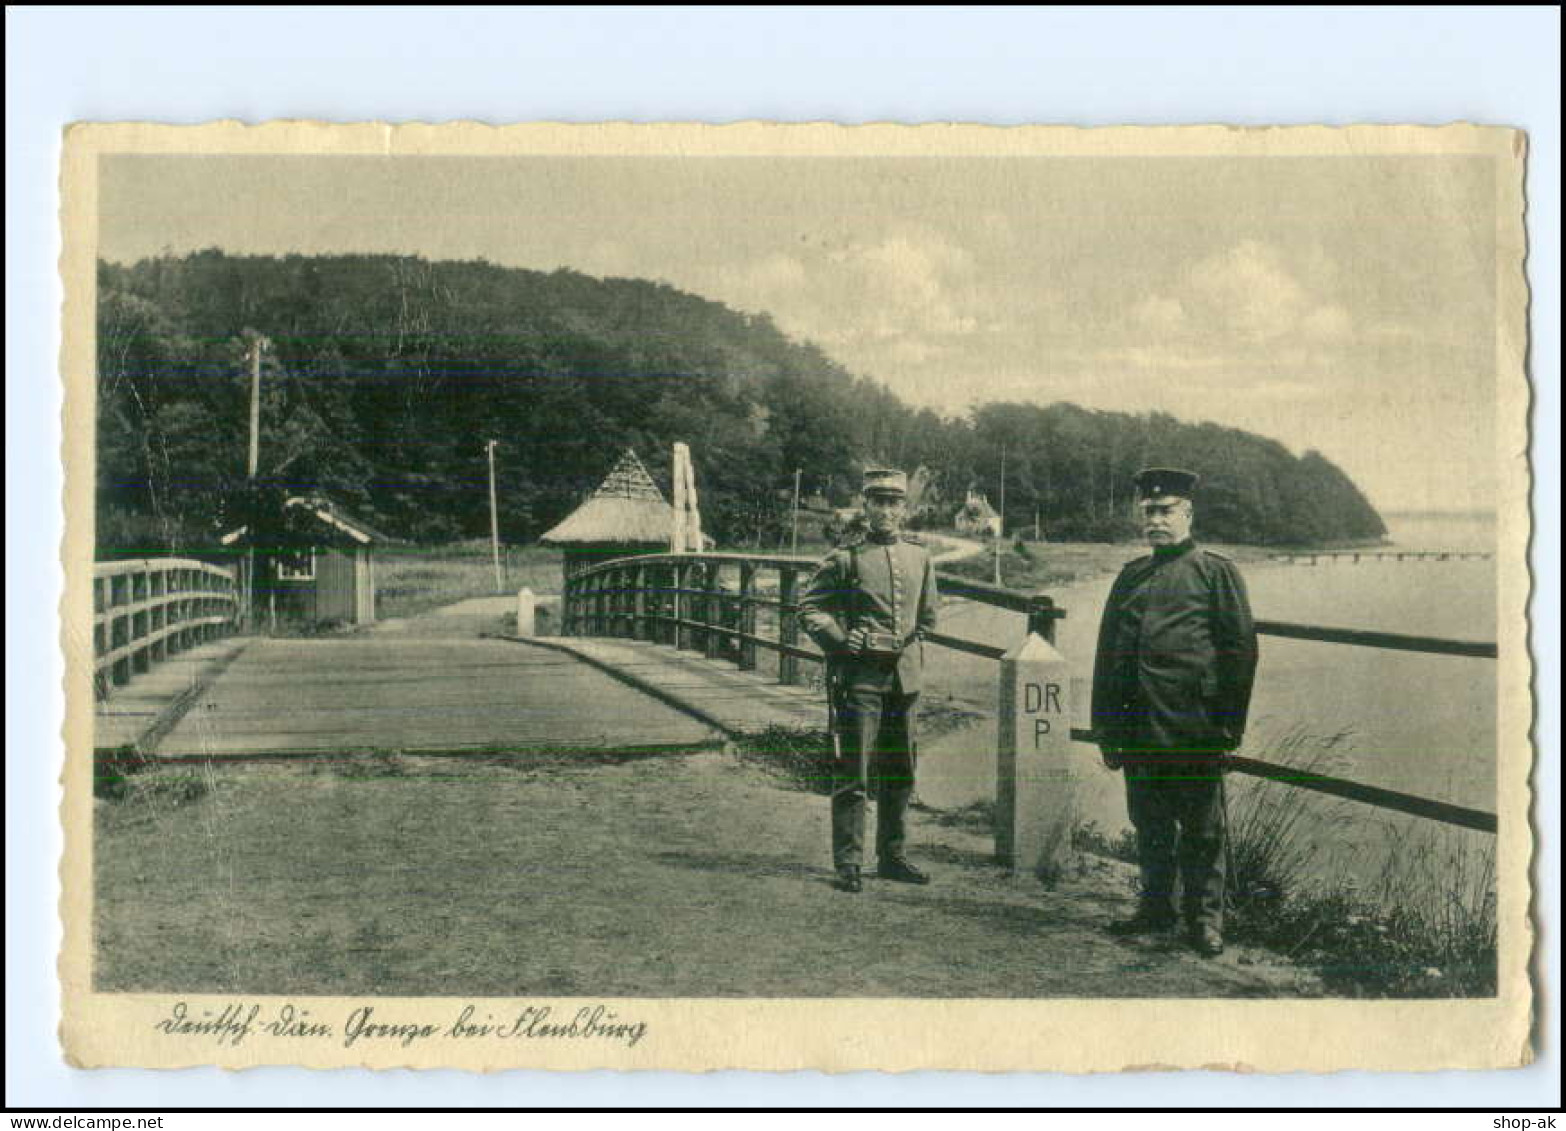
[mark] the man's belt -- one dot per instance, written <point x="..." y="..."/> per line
<point x="882" y="645"/>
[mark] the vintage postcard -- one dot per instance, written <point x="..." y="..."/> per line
<point x="795" y="596"/>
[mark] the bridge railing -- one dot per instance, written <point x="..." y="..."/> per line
<point x="148" y="609"/>
<point x="709" y="603"/>
<point x="715" y="604"/>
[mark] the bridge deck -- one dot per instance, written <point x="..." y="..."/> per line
<point x="418" y="693"/>
<point x="732" y="701"/>
<point x="137" y="713"/>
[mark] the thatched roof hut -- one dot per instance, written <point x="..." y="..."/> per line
<point x="627" y="514"/>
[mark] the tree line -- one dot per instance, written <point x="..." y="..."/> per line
<point x="384" y="376"/>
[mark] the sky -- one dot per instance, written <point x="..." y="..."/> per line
<point x="1340" y="304"/>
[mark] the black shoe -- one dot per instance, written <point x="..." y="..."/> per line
<point x="902" y="872"/>
<point x="848" y="879"/>
<point x="1206" y="940"/>
<point x="1142" y="923"/>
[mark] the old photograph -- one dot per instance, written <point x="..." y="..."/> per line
<point x="796" y="597"/>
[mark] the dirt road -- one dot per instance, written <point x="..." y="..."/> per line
<point x="694" y="875"/>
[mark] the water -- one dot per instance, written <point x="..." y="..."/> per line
<point x="1425" y="530"/>
<point x="1417" y="723"/>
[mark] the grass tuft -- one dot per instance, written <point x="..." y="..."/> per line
<point x="1425" y="927"/>
<point x="1088" y="837"/>
<point x="801" y="756"/>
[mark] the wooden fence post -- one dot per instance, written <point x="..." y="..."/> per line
<point x="788" y="623"/>
<point x="713" y="616"/>
<point x="639" y="603"/>
<point x="747" y="615"/>
<point x="1042" y="615"/>
<point x="682" y="605"/>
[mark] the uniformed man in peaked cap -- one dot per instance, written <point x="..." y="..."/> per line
<point x="1171" y="690"/>
<point x="868" y="607"/>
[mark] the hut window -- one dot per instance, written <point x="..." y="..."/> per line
<point x="297" y="566"/>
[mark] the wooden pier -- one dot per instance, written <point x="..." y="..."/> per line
<point x="1312" y="557"/>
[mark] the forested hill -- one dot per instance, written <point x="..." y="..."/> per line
<point x="385" y="376"/>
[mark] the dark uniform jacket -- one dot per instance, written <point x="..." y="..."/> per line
<point x="1176" y="655"/>
<point x="883" y="586"/>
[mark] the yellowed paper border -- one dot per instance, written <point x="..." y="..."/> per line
<point x="834" y="1035"/>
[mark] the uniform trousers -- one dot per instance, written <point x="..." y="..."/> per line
<point x="1177" y="808"/>
<point x="875" y="756"/>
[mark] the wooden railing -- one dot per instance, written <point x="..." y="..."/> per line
<point x="149" y="609"/>
<point x="716" y="604"/>
<point x="683" y="600"/>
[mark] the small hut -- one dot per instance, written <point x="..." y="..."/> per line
<point x="626" y="515"/>
<point x="315" y="564"/>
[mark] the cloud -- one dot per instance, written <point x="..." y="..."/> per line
<point x="771" y="275"/>
<point x="1247" y="295"/>
<point x="1160" y="314"/>
<point x="1328" y="323"/>
<point x="910" y="295"/>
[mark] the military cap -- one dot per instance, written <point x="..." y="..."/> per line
<point x="1165" y="482"/>
<point x="886" y="481"/>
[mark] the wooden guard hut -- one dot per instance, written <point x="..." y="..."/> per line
<point x="316" y="565"/>
<point x="626" y="515"/>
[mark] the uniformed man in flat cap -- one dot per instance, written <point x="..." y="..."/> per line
<point x="1171" y="690"/>
<point x="868" y="607"/>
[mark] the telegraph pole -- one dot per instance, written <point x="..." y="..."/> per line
<point x="494" y="519"/>
<point x="793" y="536"/>
<point x="257" y="344"/>
<point x="1000" y="519"/>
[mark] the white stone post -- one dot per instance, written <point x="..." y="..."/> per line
<point x="527" y="606"/>
<point x="1035" y="781"/>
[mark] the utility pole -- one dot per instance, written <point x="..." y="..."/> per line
<point x="257" y="344"/>
<point x="793" y="537"/>
<point x="494" y="519"/>
<point x="1000" y="519"/>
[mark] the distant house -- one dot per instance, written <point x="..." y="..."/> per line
<point x="625" y="515"/>
<point x="977" y="518"/>
<point x="316" y="565"/>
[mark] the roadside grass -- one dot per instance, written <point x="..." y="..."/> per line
<point x="1424" y="927"/>
<point x="414" y="579"/>
<point x="802" y="756"/>
<point x="1088" y="837"/>
<point x="976" y="816"/>
<point x="127" y="784"/>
